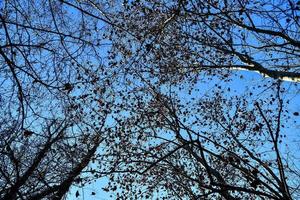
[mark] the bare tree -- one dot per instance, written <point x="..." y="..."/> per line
<point x="216" y="147"/>
<point x="42" y="166"/>
<point x="189" y="37"/>
<point x="223" y="146"/>
<point x="54" y="97"/>
<point x="77" y="76"/>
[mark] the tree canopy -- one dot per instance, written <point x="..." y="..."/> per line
<point x="167" y="99"/>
